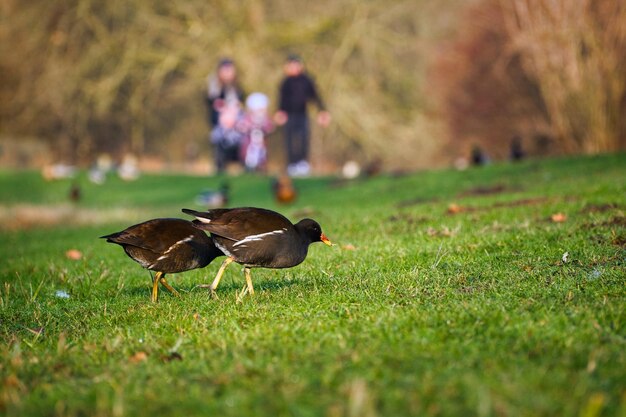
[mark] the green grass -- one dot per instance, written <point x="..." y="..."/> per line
<point x="416" y="311"/>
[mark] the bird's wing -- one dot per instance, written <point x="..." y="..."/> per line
<point x="240" y="223"/>
<point x="134" y="235"/>
<point x="127" y="238"/>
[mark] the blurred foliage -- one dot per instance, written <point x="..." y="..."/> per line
<point x="91" y="76"/>
<point x="115" y="76"/>
<point x="549" y="70"/>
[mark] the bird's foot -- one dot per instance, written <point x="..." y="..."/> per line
<point x="170" y="288"/>
<point x="212" y="292"/>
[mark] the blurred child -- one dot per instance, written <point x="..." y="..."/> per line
<point x="256" y="125"/>
<point x="222" y="88"/>
<point x="227" y="135"/>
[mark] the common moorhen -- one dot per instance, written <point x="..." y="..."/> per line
<point x="166" y="246"/>
<point x="214" y="198"/>
<point x="284" y="190"/>
<point x="256" y="237"/>
<point x="75" y="193"/>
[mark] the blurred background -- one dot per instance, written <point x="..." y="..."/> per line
<point x="410" y="84"/>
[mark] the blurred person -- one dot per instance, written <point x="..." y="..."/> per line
<point x="256" y="125"/>
<point x="128" y="170"/>
<point x="296" y="90"/>
<point x="516" y="152"/>
<point x="222" y="88"/>
<point x="227" y="135"/>
<point x="478" y="156"/>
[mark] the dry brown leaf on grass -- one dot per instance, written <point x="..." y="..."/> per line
<point x="12" y="381"/>
<point x="444" y="231"/>
<point x="138" y="357"/>
<point x="455" y="208"/>
<point x="74" y="254"/>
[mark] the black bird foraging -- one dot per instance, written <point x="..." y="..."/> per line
<point x="284" y="190"/>
<point x="214" y="199"/>
<point x="75" y="193"/>
<point x="257" y="238"/>
<point x="166" y="246"/>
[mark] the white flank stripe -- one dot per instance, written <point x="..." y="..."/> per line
<point x="187" y="239"/>
<point x="260" y="236"/>
<point x="223" y="249"/>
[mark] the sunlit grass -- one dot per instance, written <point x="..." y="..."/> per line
<point x="422" y="308"/>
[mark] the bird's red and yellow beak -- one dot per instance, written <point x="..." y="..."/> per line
<point x="326" y="241"/>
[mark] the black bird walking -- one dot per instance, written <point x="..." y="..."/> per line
<point x="284" y="190"/>
<point x="166" y="246"/>
<point x="256" y="237"/>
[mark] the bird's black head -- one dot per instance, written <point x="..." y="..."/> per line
<point x="312" y="230"/>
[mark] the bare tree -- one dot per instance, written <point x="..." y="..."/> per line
<point x="574" y="49"/>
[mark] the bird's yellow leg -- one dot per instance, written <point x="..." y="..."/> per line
<point x="218" y="277"/>
<point x="169" y="287"/>
<point x="249" y="280"/>
<point x="155" y="287"/>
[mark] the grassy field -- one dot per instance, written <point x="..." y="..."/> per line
<point x="495" y="291"/>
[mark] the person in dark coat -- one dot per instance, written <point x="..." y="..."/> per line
<point x="479" y="157"/>
<point x="297" y="90"/>
<point x="517" y="151"/>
